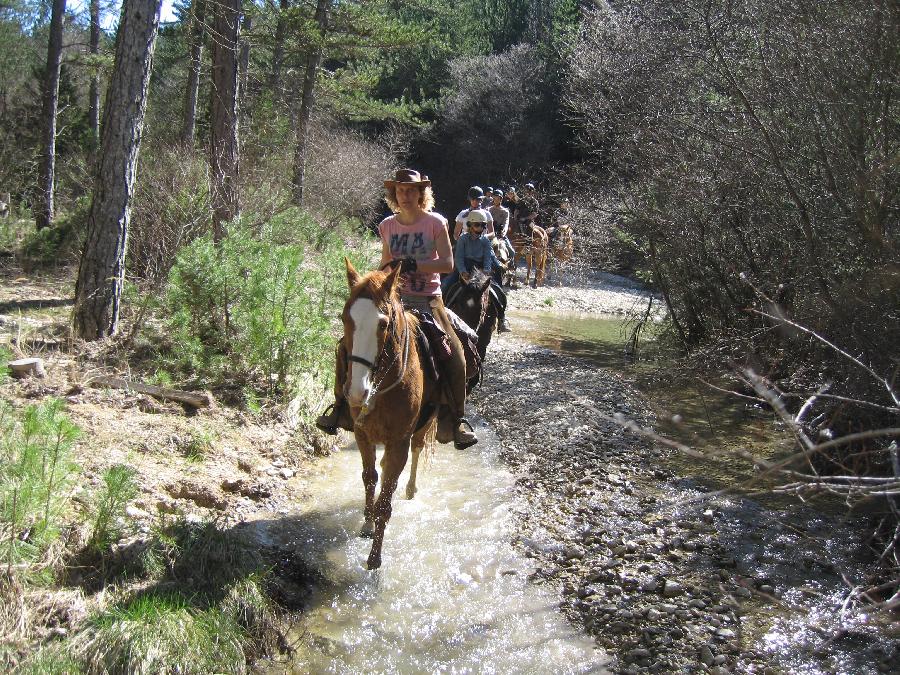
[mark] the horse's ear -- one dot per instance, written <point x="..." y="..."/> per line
<point x="353" y="276"/>
<point x="393" y="279"/>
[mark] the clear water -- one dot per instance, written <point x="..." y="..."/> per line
<point x="452" y="595"/>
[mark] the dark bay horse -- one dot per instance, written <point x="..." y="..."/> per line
<point x="471" y="301"/>
<point x="390" y="397"/>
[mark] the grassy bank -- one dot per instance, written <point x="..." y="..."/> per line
<point x="124" y="544"/>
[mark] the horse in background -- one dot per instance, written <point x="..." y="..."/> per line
<point x="470" y="300"/>
<point x="530" y="242"/>
<point x="562" y="248"/>
<point x="392" y="401"/>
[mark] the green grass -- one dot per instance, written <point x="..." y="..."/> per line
<point x="161" y="632"/>
<point x="199" y="444"/>
<point x="5" y="357"/>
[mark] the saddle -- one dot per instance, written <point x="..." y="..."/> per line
<point x="434" y="346"/>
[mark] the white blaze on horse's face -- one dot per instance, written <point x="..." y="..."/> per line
<point x="366" y="323"/>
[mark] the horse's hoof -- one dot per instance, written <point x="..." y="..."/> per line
<point x="367" y="530"/>
<point x="410" y="492"/>
<point x="374" y="562"/>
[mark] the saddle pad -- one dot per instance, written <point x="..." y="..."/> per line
<point x="469" y="340"/>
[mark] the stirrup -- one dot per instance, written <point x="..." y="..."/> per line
<point x="462" y="445"/>
<point x="327" y="421"/>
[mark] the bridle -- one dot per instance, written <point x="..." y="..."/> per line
<point x="374" y="366"/>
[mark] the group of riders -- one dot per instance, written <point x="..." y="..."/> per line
<point x="417" y="239"/>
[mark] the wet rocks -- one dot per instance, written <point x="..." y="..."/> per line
<point x="640" y="574"/>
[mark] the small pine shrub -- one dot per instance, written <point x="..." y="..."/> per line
<point x="35" y="468"/>
<point x="60" y="242"/>
<point x="251" y="306"/>
<point x="119" y="487"/>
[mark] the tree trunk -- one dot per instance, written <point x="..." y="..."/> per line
<point x="94" y="93"/>
<point x="307" y="101"/>
<point x="44" y="208"/>
<point x="244" y="60"/>
<point x="195" y="62"/>
<point x="102" y="269"/>
<point x="276" y="84"/>
<point x="224" y="148"/>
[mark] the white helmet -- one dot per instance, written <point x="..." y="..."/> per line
<point x="476" y="216"/>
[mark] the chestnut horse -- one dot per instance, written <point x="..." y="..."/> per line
<point x="391" y="399"/>
<point x="471" y="301"/>
<point x="562" y="247"/>
<point x="530" y="242"/>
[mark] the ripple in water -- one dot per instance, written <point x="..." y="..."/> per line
<point x="452" y="595"/>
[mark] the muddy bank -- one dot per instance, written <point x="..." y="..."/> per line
<point x="665" y="575"/>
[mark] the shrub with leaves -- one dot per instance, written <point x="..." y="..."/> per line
<point x="257" y="306"/>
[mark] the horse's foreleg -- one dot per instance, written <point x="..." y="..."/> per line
<point x="395" y="455"/>
<point x="528" y="259"/>
<point x="370" y="479"/>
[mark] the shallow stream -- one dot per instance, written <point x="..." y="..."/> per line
<point x="453" y="594"/>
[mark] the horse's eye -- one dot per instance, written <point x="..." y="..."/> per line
<point x="383" y="320"/>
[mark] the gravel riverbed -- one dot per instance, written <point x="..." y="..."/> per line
<point x="644" y="559"/>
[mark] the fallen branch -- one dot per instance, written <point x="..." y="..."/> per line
<point x="188" y="398"/>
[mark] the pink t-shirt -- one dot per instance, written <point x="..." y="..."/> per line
<point x="419" y="241"/>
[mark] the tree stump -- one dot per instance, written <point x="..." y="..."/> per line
<point x="27" y="367"/>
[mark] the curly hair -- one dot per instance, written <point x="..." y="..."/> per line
<point x="426" y="198"/>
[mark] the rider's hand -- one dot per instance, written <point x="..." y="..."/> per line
<point x="407" y="264"/>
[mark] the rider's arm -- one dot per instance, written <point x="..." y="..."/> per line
<point x="460" y="254"/>
<point x="386" y="256"/>
<point x="444" y="262"/>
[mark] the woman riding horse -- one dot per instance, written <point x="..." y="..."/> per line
<point x="415" y="238"/>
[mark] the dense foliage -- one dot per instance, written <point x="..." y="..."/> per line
<point x="752" y="149"/>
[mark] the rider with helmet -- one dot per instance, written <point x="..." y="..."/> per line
<point x="500" y="214"/>
<point x="476" y="195"/>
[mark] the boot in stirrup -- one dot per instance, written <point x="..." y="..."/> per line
<point x="464" y="435"/>
<point x="336" y="416"/>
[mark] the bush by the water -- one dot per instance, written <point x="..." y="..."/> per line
<point x="258" y="306"/>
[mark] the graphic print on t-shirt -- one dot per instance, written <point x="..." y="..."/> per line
<point x="400" y="248"/>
